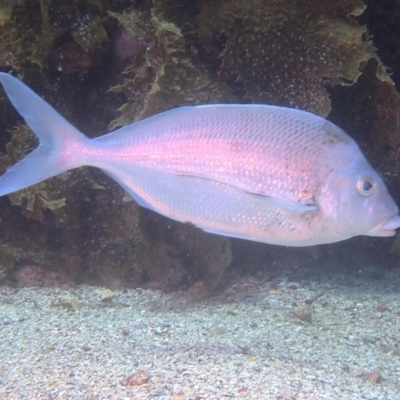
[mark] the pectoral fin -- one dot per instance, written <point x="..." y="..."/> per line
<point x="282" y="202"/>
<point x="293" y="205"/>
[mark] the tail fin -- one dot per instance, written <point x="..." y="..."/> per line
<point x="58" y="139"/>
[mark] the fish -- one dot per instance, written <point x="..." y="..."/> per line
<point x="264" y="173"/>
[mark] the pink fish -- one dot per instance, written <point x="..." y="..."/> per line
<point x="258" y="172"/>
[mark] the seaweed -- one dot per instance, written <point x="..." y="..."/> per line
<point x="285" y="53"/>
<point x="163" y="74"/>
<point x="108" y="63"/>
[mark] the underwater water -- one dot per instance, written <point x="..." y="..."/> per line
<point x="101" y="298"/>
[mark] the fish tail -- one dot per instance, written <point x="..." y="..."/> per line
<point x="60" y="144"/>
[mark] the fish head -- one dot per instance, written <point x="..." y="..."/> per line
<point x="354" y="201"/>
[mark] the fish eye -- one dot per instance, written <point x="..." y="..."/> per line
<point x="365" y="185"/>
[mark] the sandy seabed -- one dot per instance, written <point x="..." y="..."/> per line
<point x="318" y="334"/>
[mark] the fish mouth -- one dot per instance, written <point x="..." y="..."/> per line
<point x="386" y="228"/>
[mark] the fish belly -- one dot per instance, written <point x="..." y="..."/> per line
<point x="217" y="207"/>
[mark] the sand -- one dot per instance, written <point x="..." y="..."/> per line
<point x="305" y="334"/>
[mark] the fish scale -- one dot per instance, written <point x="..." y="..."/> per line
<point x="221" y="152"/>
<point x="264" y="173"/>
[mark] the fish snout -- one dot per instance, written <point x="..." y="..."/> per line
<point x="387" y="227"/>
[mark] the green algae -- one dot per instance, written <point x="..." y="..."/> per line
<point x="285" y="53"/>
<point x="104" y="63"/>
